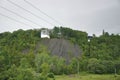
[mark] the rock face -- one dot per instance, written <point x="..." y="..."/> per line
<point x="62" y="48"/>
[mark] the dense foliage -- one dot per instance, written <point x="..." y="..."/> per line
<point x="20" y="60"/>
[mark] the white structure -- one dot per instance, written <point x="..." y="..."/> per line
<point x="45" y="33"/>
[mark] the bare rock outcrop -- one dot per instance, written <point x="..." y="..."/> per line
<point x="62" y="48"/>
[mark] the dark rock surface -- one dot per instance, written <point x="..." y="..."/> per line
<point x="62" y="48"/>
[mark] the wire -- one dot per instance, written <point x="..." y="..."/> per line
<point x="42" y="12"/>
<point x="14" y="20"/>
<point x="20" y="16"/>
<point x="30" y="12"/>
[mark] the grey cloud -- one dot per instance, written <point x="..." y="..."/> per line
<point x="91" y="16"/>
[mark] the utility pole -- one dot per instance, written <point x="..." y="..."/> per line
<point x="78" y="68"/>
<point x="115" y="73"/>
<point x="89" y="39"/>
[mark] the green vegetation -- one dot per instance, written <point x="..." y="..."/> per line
<point x="88" y="77"/>
<point x="21" y="60"/>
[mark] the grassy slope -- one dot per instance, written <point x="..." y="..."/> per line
<point x="87" y="77"/>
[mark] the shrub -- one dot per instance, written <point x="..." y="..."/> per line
<point x="50" y="75"/>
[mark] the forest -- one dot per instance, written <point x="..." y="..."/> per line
<point x="100" y="55"/>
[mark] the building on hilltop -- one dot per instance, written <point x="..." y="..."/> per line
<point x="45" y="33"/>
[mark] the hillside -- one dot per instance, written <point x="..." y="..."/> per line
<point x="62" y="48"/>
<point x="58" y="47"/>
<point x="25" y="52"/>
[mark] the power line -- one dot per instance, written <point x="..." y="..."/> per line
<point x="30" y="12"/>
<point x="42" y="12"/>
<point x="14" y="20"/>
<point x="20" y="16"/>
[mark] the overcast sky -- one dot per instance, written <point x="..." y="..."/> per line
<point x="91" y="16"/>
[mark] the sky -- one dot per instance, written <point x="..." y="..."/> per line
<point x="91" y="16"/>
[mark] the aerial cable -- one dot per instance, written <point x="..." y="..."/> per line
<point x="14" y="20"/>
<point x="42" y="12"/>
<point x="20" y="16"/>
<point x="30" y="12"/>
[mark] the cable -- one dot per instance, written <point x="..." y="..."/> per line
<point x="29" y="12"/>
<point x="42" y="12"/>
<point x="20" y="16"/>
<point x="14" y="20"/>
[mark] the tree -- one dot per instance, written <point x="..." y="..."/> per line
<point x="94" y="66"/>
<point x="2" y="64"/>
<point x="40" y="59"/>
<point x="58" y="65"/>
<point x="45" y="69"/>
<point x="74" y="65"/>
<point x="24" y="63"/>
<point x="25" y="74"/>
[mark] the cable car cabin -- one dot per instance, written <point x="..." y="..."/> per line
<point x="45" y="33"/>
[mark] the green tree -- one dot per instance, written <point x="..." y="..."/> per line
<point x="45" y="69"/>
<point x="94" y="66"/>
<point x="24" y="63"/>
